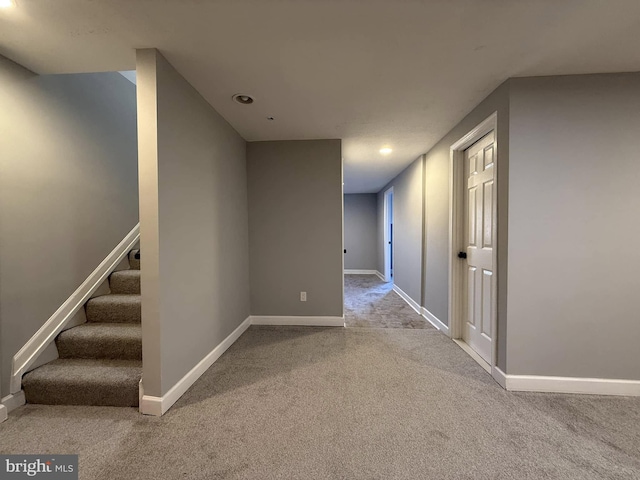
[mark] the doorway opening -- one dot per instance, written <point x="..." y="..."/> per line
<point x="473" y="243"/>
<point x="388" y="235"/>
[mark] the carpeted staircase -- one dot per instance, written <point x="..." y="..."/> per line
<point x="100" y="361"/>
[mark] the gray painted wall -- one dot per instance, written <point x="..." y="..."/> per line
<point x="295" y="227"/>
<point x="573" y="225"/>
<point x="436" y="225"/>
<point x="360" y="231"/>
<point x="407" y="229"/>
<point x="194" y="231"/>
<point x="68" y="190"/>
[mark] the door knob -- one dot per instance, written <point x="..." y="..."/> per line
<point x="462" y="255"/>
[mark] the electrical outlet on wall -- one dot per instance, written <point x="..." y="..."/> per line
<point x="303" y="296"/>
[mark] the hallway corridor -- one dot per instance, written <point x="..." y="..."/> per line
<point x="371" y="303"/>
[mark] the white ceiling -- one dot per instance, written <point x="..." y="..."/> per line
<point x="374" y="73"/>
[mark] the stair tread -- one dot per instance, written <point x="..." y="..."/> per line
<point x="100" y="331"/>
<point x="92" y="371"/>
<point x="101" y="340"/>
<point x="125" y="282"/>
<point x="129" y="272"/>
<point x="126" y="298"/>
<point x="84" y="382"/>
<point x="114" y="308"/>
<point x="126" y="273"/>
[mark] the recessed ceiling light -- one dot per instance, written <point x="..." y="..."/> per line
<point x="241" y="98"/>
<point x="6" y="3"/>
<point x="386" y="151"/>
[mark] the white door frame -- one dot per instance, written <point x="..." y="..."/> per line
<point x="387" y="236"/>
<point x="456" y="240"/>
<point x="3" y="413"/>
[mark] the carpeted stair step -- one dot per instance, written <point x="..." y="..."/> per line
<point x="125" y="282"/>
<point x="84" y="382"/>
<point x="102" y="340"/>
<point x="134" y="262"/>
<point x="114" y="309"/>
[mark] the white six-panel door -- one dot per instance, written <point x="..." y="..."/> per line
<point x="479" y="237"/>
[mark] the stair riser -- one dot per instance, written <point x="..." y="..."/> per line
<point x="113" y="313"/>
<point x="57" y="393"/>
<point x="125" y="285"/>
<point x="121" y="349"/>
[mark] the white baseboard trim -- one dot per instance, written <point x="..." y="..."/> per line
<point x="359" y="272"/>
<point x="380" y="276"/>
<point x="589" y="386"/>
<point x="13" y="401"/>
<point x="584" y="386"/>
<point x="3" y="413"/>
<point x="29" y="353"/>
<point x="412" y="303"/>
<point x="499" y="376"/>
<point x="433" y="320"/>
<point x="157" y="406"/>
<point x="298" y="321"/>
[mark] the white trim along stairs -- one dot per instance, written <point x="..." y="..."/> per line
<point x="89" y="352"/>
<point x="27" y="356"/>
<point x="100" y="360"/>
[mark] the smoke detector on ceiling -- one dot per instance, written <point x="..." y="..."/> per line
<point x="243" y="99"/>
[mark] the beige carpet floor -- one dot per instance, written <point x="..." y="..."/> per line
<point x="370" y="302"/>
<point x="343" y="403"/>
